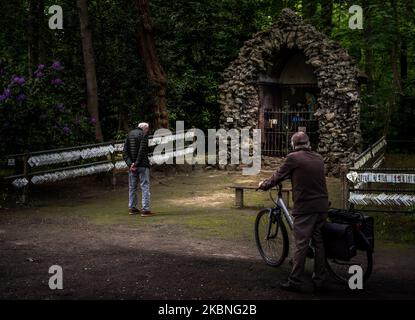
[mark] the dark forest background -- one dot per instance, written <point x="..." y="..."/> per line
<point x="118" y="62"/>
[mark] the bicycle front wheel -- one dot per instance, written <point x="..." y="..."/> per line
<point x="271" y="238"/>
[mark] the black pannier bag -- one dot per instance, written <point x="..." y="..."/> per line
<point x="367" y="228"/>
<point x="339" y="241"/>
<point x="362" y="223"/>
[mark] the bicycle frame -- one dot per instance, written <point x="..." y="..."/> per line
<point x="281" y="205"/>
<point x="287" y="215"/>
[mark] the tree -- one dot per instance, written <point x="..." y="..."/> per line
<point x="155" y="71"/>
<point x="309" y="8"/>
<point x="90" y="73"/>
<point x="36" y="47"/>
<point x="395" y="49"/>
<point x="368" y="49"/>
<point x="327" y="16"/>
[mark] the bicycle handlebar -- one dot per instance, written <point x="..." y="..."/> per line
<point x="279" y="188"/>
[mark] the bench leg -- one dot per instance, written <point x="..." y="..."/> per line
<point x="239" y="198"/>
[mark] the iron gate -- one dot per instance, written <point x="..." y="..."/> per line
<point x="279" y="126"/>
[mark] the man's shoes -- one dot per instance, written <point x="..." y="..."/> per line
<point x="147" y="213"/>
<point x="133" y="211"/>
<point x="287" y="286"/>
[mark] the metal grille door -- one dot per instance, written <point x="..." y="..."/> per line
<point x="279" y="126"/>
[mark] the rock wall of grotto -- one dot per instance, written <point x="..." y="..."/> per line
<point x="336" y="73"/>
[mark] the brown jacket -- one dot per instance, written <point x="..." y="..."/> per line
<point x="307" y="173"/>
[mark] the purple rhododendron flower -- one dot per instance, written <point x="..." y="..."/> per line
<point x="18" y="80"/>
<point x="57" y="81"/>
<point x="21" y="97"/>
<point x="57" y="65"/>
<point x="7" y="93"/>
<point x="66" y="130"/>
<point x="93" y="120"/>
<point x="39" y="74"/>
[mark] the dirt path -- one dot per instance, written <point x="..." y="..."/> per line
<point x="198" y="247"/>
<point x="118" y="263"/>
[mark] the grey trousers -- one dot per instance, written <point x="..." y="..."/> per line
<point x="143" y="175"/>
<point x="308" y="227"/>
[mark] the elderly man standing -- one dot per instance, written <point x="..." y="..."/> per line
<point x="135" y="155"/>
<point x="306" y="170"/>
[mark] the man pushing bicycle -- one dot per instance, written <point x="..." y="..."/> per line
<point x="306" y="170"/>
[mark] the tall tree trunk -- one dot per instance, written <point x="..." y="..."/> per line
<point x="42" y="32"/>
<point x="309" y="8"/>
<point x="395" y="50"/>
<point x="369" y="70"/>
<point x="395" y="70"/>
<point x="155" y="71"/>
<point x="327" y="15"/>
<point x="394" y="56"/>
<point x="404" y="60"/>
<point x="123" y="121"/>
<point x="33" y="33"/>
<point x="89" y="62"/>
<point x="72" y="23"/>
<point x="368" y="50"/>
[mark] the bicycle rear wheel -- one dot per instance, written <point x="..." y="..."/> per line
<point x="271" y="238"/>
<point x="340" y="269"/>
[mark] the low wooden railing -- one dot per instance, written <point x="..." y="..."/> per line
<point x="370" y="187"/>
<point x="32" y="168"/>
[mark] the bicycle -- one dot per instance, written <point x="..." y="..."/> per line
<point x="272" y="240"/>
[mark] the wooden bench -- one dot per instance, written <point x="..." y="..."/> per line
<point x="239" y="195"/>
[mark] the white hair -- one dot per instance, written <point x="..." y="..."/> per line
<point x="143" y="125"/>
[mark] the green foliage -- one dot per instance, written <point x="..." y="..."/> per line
<point x="39" y="112"/>
<point x="195" y="40"/>
<point x="383" y="109"/>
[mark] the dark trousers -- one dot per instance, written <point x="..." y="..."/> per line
<point x="308" y="227"/>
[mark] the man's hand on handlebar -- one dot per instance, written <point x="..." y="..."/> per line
<point x="279" y="186"/>
<point x="259" y="185"/>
